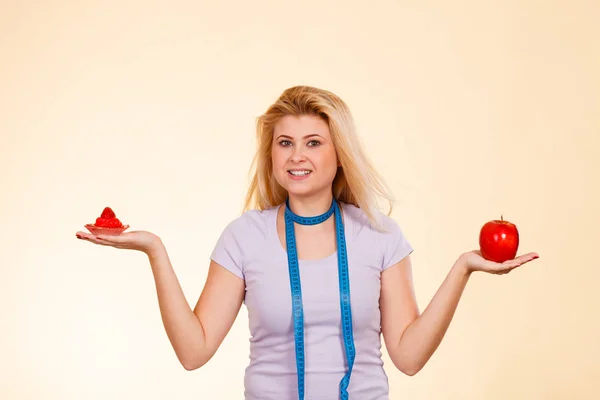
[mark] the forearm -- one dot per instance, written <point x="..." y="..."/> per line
<point x="183" y="328"/>
<point x="423" y="336"/>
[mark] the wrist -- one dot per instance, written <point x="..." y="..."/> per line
<point x="462" y="266"/>
<point x="155" y="248"/>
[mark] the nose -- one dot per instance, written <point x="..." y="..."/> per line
<point x="298" y="155"/>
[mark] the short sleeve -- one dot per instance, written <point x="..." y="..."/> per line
<point x="228" y="252"/>
<point x="396" y="246"/>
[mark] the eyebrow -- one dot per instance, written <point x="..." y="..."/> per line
<point x="305" y="137"/>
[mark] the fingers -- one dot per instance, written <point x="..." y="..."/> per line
<point x="84" y="236"/>
<point x="528" y="257"/>
<point x="109" y="239"/>
<point x="509" y="265"/>
<point x="525" y="258"/>
<point x="102" y="240"/>
<point x="91" y="239"/>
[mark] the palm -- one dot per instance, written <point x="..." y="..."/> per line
<point x="134" y="240"/>
<point x="475" y="262"/>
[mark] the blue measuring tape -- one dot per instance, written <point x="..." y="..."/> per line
<point x="344" y="287"/>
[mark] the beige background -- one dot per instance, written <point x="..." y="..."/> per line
<point x="470" y="109"/>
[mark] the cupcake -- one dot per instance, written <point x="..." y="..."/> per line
<point x="107" y="224"/>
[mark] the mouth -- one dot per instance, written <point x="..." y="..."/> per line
<point x="299" y="173"/>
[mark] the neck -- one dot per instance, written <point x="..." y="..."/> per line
<point x="310" y="207"/>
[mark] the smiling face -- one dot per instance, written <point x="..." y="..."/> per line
<point x="304" y="157"/>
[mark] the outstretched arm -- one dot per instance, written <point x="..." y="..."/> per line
<point x="194" y="334"/>
<point x="410" y="337"/>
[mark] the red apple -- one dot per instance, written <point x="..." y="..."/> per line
<point x="499" y="240"/>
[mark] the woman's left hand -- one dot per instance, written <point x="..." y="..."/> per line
<point x="474" y="261"/>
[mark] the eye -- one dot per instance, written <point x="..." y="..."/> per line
<point x="285" y="142"/>
<point x="313" y="143"/>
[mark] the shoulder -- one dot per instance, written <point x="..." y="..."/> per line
<point x="386" y="237"/>
<point x="362" y="225"/>
<point x="241" y="238"/>
<point x="251" y="224"/>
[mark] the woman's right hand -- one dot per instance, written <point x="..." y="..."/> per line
<point x="134" y="240"/>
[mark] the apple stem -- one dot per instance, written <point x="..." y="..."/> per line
<point x="501" y="217"/>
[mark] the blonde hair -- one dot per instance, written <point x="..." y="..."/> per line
<point x="357" y="182"/>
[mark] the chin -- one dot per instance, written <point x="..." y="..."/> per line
<point x="294" y="190"/>
<point x="305" y="192"/>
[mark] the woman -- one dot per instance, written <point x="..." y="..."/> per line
<point x="322" y="272"/>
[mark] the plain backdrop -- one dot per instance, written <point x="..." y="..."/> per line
<point x="470" y="110"/>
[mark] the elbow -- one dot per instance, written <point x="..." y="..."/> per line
<point x="407" y="367"/>
<point x="193" y="357"/>
<point x="409" y="363"/>
<point x="410" y="370"/>
<point x="190" y="366"/>
<point x="191" y="363"/>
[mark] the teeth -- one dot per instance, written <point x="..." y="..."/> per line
<point x="300" y="173"/>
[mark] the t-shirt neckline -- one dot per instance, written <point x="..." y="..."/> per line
<point x="282" y="250"/>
